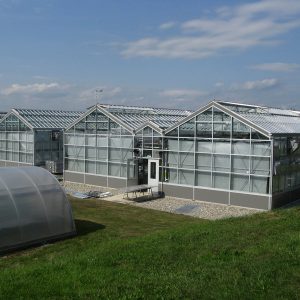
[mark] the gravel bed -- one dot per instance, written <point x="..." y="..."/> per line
<point x="199" y="209"/>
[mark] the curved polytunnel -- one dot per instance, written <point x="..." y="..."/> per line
<point x="33" y="208"/>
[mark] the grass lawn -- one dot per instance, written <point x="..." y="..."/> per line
<point x="129" y="252"/>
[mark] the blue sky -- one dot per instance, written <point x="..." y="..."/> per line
<point x="170" y="53"/>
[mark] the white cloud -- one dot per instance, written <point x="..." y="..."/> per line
<point x="276" y="67"/>
<point x="182" y="93"/>
<point x="35" y="88"/>
<point x="219" y="84"/>
<point x="232" y="28"/>
<point x="167" y="25"/>
<point x="257" y="85"/>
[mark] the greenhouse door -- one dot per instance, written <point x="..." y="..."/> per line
<point x="153" y="173"/>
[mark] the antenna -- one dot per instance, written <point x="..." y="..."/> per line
<point x="98" y="94"/>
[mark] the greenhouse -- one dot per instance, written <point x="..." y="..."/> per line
<point x="34" y="208"/>
<point x="34" y="137"/>
<point x="228" y="153"/>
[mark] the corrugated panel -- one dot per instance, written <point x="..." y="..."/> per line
<point x="48" y="118"/>
<point x="137" y="116"/>
<point x="274" y="123"/>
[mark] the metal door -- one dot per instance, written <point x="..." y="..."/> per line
<point x="153" y="173"/>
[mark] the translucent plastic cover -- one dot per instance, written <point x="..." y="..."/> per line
<point x="33" y="208"/>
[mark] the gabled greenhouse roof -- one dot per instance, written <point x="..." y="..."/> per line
<point x="267" y="120"/>
<point x="47" y="118"/>
<point x="272" y="120"/>
<point x="135" y="116"/>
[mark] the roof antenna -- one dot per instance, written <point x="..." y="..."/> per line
<point x="98" y="95"/>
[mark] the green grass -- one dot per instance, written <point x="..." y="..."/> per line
<point x="129" y="252"/>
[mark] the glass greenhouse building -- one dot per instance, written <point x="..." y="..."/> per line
<point x="33" y="137"/>
<point x="228" y="153"/>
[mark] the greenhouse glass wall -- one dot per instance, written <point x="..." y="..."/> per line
<point x="34" y="208"/>
<point x="100" y="147"/>
<point x="228" y="153"/>
<point x="33" y="137"/>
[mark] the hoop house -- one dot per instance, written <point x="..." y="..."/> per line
<point x="33" y="208"/>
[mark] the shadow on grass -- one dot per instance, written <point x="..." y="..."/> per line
<point x="84" y="227"/>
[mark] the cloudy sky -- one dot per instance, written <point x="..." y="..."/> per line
<point x="68" y="54"/>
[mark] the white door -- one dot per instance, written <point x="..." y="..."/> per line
<point x="153" y="173"/>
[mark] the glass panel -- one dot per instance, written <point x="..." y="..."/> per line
<point x="258" y="136"/>
<point x="15" y="146"/>
<point x="101" y="116"/>
<point x="29" y="136"/>
<point x="102" y="153"/>
<point x="8" y="155"/>
<point x="115" y="128"/>
<point x="221" y="146"/>
<point x="115" y="142"/>
<point x="172" y="175"/>
<point x="186" y="145"/>
<point x="174" y="132"/>
<point x="92" y="116"/>
<point x="222" y="124"/>
<point x="173" y="159"/>
<point x="203" y="179"/>
<point x="187" y="129"/>
<point x="90" y="153"/>
<point x="90" y="127"/>
<point x="90" y="140"/>
<point x="260" y="185"/>
<point x="186" y="161"/>
<point x="22" y="157"/>
<point x="90" y="167"/>
<point x="127" y="142"/>
<point x="240" y="183"/>
<point x="240" y="164"/>
<point x="79" y="140"/>
<point x="261" y="148"/>
<point x="173" y="144"/>
<point x="102" y="141"/>
<point x="205" y="116"/>
<point x="69" y="139"/>
<point x="241" y="147"/>
<point x="29" y="158"/>
<point x="221" y="163"/>
<point x="204" y="146"/>
<point x="204" y="130"/>
<point x="123" y="168"/>
<point x="80" y="127"/>
<point x="126" y="154"/>
<point x="79" y="152"/>
<point x="101" y="168"/>
<point x="240" y="130"/>
<point x="15" y="156"/>
<point x="114" y="169"/>
<point x="260" y="165"/>
<point x="221" y="181"/>
<point x="203" y="161"/>
<point x="114" y="154"/>
<point x="186" y="177"/>
<point x="102" y="127"/>
<point x="147" y="131"/>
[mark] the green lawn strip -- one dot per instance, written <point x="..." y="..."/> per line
<point x="250" y="257"/>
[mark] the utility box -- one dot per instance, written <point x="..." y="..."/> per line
<point x="54" y="167"/>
